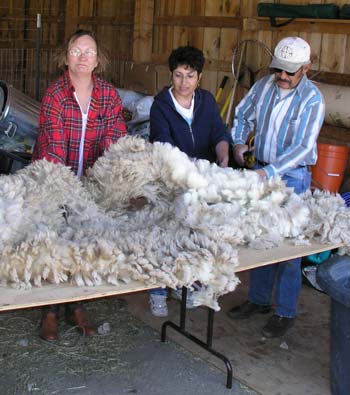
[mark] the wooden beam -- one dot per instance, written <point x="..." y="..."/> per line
<point x="334" y="135"/>
<point x="199" y="21"/>
<point x="210" y="64"/>
<point x="330" y="78"/>
<point x="143" y="30"/>
<point x="103" y="20"/>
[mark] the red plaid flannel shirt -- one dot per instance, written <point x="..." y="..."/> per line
<point x="60" y="123"/>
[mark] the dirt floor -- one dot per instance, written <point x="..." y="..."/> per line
<point x="297" y="364"/>
<point x="127" y="359"/>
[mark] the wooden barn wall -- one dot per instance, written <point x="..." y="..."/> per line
<point x="217" y="26"/>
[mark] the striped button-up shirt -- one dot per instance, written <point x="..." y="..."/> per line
<point x="286" y="127"/>
<point x="60" y="123"/>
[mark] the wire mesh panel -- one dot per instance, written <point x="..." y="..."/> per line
<point x="32" y="31"/>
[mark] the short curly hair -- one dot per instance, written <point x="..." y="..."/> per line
<point x="61" y="57"/>
<point x="186" y="56"/>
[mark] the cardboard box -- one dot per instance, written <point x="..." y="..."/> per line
<point x="145" y="78"/>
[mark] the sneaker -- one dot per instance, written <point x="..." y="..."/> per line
<point x="277" y="326"/>
<point x="159" y="307"/>
<point x="177" y="294"/>
<point x="247" y="309"/>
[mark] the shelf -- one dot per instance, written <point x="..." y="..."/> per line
<point x="308" y="25"/>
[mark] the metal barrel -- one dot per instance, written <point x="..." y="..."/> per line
<point x="19" y="116"/>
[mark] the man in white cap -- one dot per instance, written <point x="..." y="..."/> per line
<point x="286" y="111"/>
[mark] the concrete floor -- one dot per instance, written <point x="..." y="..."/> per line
<point x="297" y="364"/>
<point x="128" y="359"/>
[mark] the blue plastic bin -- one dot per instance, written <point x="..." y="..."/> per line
<point x="334" y="278"/>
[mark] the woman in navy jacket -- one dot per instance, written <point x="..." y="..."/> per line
<point x="187" y="117"/>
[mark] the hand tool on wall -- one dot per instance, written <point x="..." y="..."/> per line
<point x="221" y="88"/>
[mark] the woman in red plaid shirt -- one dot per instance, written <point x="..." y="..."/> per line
<point x="81" y="115"/>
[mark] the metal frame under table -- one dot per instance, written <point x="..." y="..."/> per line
<point x="249" y="259"/>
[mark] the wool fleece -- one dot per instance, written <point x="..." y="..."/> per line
<point x="55" y="228"/>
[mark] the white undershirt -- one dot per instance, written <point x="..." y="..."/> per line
<point x="81" y="146"/>
<point x="186" y="113"/>
<point x="284" y="92"/>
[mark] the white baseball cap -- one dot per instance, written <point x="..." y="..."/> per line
<point x="290" y="54"/>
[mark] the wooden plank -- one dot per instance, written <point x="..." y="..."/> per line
<point x="250" y="258"/>
<point x="231" y="7"/>
<point x="209" y="81"/>
<point x="196" y="34"/>
<point x="249" y="7"/>
<point x="165" y="33"/>
<point x="211" y="46"/>
<point x="210" y="64"/>
<point x="103" y="20"/>
<point x="347" y="56"/>
<point x="86" y="7"/>
<point x="181" y="32"/>
<point x="229" y="37"/>
<point x="12" y="299"/>
<point x="198" y="21"/>
<point x="143" y="27"/>
<point x="332" y="52"/>
<point x="71" y="12"/>
<point x="334" y="26"/>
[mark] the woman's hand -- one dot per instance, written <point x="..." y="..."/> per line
<point x="223" y="162"/>
<point x="222" y="154"/>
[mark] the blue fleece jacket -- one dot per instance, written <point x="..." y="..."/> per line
<point x="197" y="140"/>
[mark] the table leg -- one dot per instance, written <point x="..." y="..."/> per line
<point x="206" y="345"/>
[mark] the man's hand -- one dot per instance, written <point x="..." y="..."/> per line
<point x="238" y="151"/>
<point x="261" y="173"/>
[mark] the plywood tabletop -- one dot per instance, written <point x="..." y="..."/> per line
<point x="13" y="299"/>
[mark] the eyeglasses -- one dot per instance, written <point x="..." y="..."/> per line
<point x="76" y="52"/>
<point x="279" y="71"/>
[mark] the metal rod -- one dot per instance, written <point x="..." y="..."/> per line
<point x="37" y="56"/>
<point x="228" y="115"/>
<point x="210" y="327"/>
<point x="183" y="308"/>
<point x="201" y="344"/>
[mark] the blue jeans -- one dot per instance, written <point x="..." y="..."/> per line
<point x="158" y="291"/>
<point x="286" y="276"/>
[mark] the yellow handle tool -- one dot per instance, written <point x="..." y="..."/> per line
<point x="221" y="88"/>
<point x="249" y="158"/>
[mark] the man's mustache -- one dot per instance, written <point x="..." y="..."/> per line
<point x="282" y="80"/>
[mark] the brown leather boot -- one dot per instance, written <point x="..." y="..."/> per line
<point x="48" y="327"/>
<point x="78" y="318"/>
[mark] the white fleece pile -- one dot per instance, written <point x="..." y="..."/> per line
<point x="55" y="228"/>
